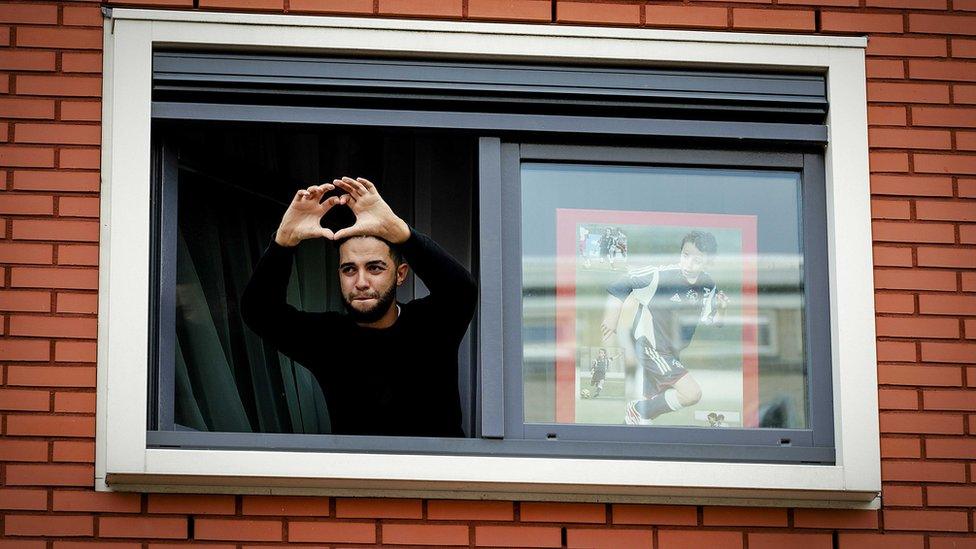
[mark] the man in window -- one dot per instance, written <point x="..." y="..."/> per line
<point x="664" y="294"/>
<point x="385" y="368"/>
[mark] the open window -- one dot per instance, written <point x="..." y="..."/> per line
<point x="563" y="185"/>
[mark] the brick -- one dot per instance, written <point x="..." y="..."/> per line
<point x="71" y="86"/>
<point x="950" y="210"/>
<point x="102" y="502"/>
<point x="908" y="185"/>
<point x="77" y="254"/>
<point x="60" y="229"/>
<point x="26" y="157"/>
<point x="909" y="4"/>
<point x="897" y="231"/>
<point x="23" y="450"/>
<point x="896" y="351"/>
<point x="50" y="475"/>
<point x="914" y="279"/>
<point x="758" y="540"/>
<point x="378" y="508"/>
<point x="48" y="525"/>
<point x="24" y="400"/>
<point x="59" y="426"/>
<point x="743" y="516"/>
<point x="74" y="451"/>
<point x="191" y="504"/>
<point x="891" y="209"/>
<point x="969" y="326"/>
<point x="25" y="301"/>
<point x="966" y="141"/>
<point x="333" y="6"/>
<point x="16" y="252"/>
<point x="26" y="204"/>
<point x="675" y="515"/>
<point x="25" y="350"/>
<point x="603" y="13"/>
<point x="887" y="115"/>
<point x="835" y="518"/>
<point x="563" y="512"/>
<point x="962" y="47"/>
<point x="685" y="16"/>
<point x="885" y="68"/>
<point x="425" y="534"/>
<point x="692" y="539"/>
<point x="929" y="69"/>
<point x="949" y="352"/>
<point x="23" y="500"/>
<point x="901" y="496"/>
<point x="11" y="107"/>
<point x="918" y="327"/>
<point x="518" y="536"/>
<point x="255" y="5"/>
<point x="60" y="37"/>
<point x="942" y="399"/>
<point x="331" y="532"/>
<point x="944" y="163"/>
<point x="173" y="3"/>
<point x="78" y="206"/>
<point x="62" y="134"/>
<point x="469" y="510"/>
<point x="888" y="256"/>
<point x="842" y="3"/>
<point x="860" y="22"/>
<point x="142" y="527"/>
<point x="900" y="447"/>
<point x="74" y="402"/>
<point x="880" y="541"/>
<point x="921" y="423"/>
<point x="767" y="19"/>
<point x="77" y="303"/>
<point x="958" y="117"/>
<point x="951" y="496"/>
<point x="923" y="471"/>
<point x="426" y="8"/>
<point x="894" y="303"/>
<point x="28" y="13"/>
<point x="286" y="506"/>
<point x="80" y="158"/>
<point x="947" y="304"/>
<point x="238" y="530"/>
<point x="609" y="539"/>
<point x="910" y="139"/>
<point x="888" y="161"/>
<point x="524" y="10"/>
<point x="907" y="92"/>
<point x="897" y="399"/>
<point x="950" y="448"/>
<point x="103" y="544"/>
<point x="90" y="16"/>
<point x="963" y="94"/>
<point x="941" y="24"/>
<point x="55" y="181"/>
<point x="4" y="36"/>
<point x="54" y="277"/>
<point x="74" y="351"/>
<point x="948" y="542"/>
<point x="42" y="326"/>
<point x="50" y="376"/>
<point x="946" y="521"/>
<point x="27" y="60"/>
<point x="81" y="63"/>
<point x="968" y="281"/>
<point x="79" y="111"/>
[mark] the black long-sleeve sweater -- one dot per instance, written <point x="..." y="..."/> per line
<point x="401" y="380"/>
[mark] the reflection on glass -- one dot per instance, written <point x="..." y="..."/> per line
<point x="662" y="296"/>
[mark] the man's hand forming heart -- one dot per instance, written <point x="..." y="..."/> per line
<point x="373" y="216"/>
<point x="301" y="220"/>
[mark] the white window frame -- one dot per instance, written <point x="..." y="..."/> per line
<point x="123" y="462"/>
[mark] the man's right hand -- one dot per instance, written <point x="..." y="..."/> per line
<point x="301" y="220"/>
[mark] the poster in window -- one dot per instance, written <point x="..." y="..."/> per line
<point x="656" y="319"/>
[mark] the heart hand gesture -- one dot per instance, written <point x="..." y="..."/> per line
<point x="301" y="220"/>
<point x="373" y="216"/>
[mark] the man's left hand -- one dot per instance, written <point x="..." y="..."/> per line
<point x="373" y="215"/>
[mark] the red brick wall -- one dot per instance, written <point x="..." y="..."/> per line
<point x="922" y="91"/>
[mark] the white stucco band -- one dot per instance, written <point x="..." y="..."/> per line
<point x="123" y="461"/>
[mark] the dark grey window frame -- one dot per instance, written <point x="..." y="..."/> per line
<point x="576" y="105"/>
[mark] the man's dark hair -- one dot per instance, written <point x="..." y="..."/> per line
<point x="702" y="240"/>
<point x="395" y="253"/>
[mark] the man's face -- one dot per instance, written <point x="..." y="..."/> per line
<point x="692" y="262"/>
<point x="368" y="278"/>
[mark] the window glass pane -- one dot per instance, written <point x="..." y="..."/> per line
<point x="662" y="296"/>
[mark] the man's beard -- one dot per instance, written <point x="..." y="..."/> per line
<point x="375" y="312"/>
